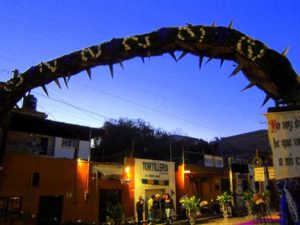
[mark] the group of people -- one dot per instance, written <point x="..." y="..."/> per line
<point x="158" y="208"/>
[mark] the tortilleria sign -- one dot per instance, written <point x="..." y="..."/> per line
<point x="284" y="137"/>
<point x="154" y="169"/>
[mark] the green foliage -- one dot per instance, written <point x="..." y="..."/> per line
<point x="191" y="204"/>
<point x="137" y="138"/>
<point x="248" y="195"/>
<point x="226" y="197"/>
<point x="266" y="194"/>
<point x="117" y="212"/>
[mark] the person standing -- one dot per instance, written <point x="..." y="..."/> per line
<point x="150" y="209"/>
<point x="169" y="206"/>
<point x="140" y="209"/>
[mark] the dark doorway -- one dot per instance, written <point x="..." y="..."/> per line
<point x="108" y="199"/>
<point x="50" y="210"/>
<point x="225" y="185"/>
<point x="44" y="146"/>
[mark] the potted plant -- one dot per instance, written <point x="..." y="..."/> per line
<point x="192" y="207"/>
<point x="260" y="204"/>
<point x="225" y="200"/>
<point x="248" y="198"/>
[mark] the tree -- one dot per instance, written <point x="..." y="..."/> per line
<point x="137" y="138"/>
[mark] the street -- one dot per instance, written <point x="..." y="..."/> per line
<point x="245" y="220"/>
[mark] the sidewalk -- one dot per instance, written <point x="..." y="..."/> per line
<point x="243" y="220"/>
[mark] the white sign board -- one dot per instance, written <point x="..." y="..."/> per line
<point x="153" y="169"/>
<point x="284" y="137"/>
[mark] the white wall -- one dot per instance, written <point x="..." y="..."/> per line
<point x="164" y="174"/>
<point x="68" y="152"/>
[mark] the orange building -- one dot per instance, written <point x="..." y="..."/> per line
<point x="43" y="177"/>
<point x="204" y="182"/>
<point x="63" y="190"/>
<point x="59" y="189"/>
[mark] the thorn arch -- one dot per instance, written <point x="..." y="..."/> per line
<point x="267" y="69"/>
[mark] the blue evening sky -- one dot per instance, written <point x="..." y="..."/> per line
<point x="177" y="97"/>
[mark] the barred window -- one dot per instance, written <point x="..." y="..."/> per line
<point x="9" y="207"/>
<point x="68" y="143"/>
<point x="14" y="204"/>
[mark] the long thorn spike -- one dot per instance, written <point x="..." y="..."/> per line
<point x="248" y="86"/>
<point x="89" y="73"/>
<point x="57" y="83"/>
<point x="111" y="69"/>
<point x="208" y="60"/>
<point x="236" y="70"/>
<point x="182" y="55"/>
<point x="142" y="57"/>
<point x="200" y="61"/>
<point x="267" y="98"/>
<point x="172" y="54"/>
<point x="230" y="25"/>
<point x="285" y="52"/>
<point x="221" y="62"/>
<point x="121" y="64"/>
<point x="66" y="82"/>
<point x="214" y="24"/>
<point x="45" y="90"/>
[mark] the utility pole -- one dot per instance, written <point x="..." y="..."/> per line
<point x="233" y="201"/>
<point x="182" y="149"/>
<point x="170" y="148"/>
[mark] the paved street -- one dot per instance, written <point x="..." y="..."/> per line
<point x="245" y="220"/>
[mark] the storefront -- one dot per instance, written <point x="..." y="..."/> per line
<point x="205" y="181"/>
<point x="80" y="190"/>
<point x="151" y="177"/>
<point x="111" y="191"/>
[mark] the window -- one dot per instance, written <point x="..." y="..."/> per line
<point x="14" y="204"/>
<point x="9" y="207"/>
<point x="39" y="145"/>
<point x="68" y="143"/>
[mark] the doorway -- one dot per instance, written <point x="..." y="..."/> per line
<point x="108" y="199"/>
<point x="148" y="193"/>
<point x="50" y="210"/>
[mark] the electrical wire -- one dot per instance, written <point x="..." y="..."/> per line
<point x="72" y="106"/>
<point x="114" y="96"/>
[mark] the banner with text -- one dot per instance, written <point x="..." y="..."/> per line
<point x="259" y="174"/>
<point x="284" y="137"/>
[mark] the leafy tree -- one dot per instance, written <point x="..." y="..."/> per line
<point x="136" y="138"/>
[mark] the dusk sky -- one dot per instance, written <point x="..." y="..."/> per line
<point x="174" y="96"/>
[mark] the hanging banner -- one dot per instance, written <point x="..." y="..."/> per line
<point x="284" y="137"/>
<point x="271" y="173"/>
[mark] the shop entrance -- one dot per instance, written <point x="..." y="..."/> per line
<point x="108" y="200"/>
<point x="148" y="194"/>
<point x="50" y="210"/>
